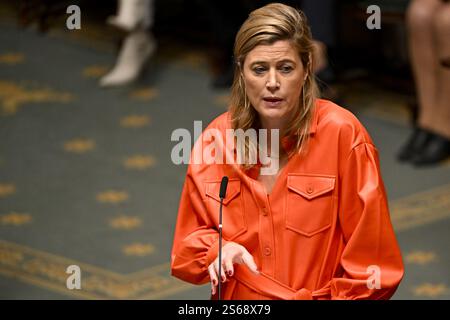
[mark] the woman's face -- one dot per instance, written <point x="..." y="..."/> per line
<point x="274" y="77"/>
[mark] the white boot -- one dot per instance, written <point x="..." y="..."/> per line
<point x="136" y="50"/>
<point x="132" y="14"/>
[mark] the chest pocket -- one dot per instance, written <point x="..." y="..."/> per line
<point x="309" y="203"/>
<point x="233" y="217"/>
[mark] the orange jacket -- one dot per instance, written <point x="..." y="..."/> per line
<point x="324" y="232"/>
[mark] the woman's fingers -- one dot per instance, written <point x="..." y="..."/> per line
<point x="235" y="254"/>
<point x="228" y="266"/>
<point x="222" y="271"/>
<point x="213" y="277"/>
<point x="249" y="262"/>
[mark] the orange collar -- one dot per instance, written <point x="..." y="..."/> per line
<point x="315" y="119"/>
<point x="288" y="142"/>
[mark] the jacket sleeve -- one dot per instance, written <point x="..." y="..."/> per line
<point x="196" y="243"/>
<point x="370" y="246"/>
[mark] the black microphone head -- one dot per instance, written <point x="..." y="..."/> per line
<point x="223" y="187"/>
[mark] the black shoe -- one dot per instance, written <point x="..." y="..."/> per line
<point x="415" y="144"/>
<point x="437" y="149"/>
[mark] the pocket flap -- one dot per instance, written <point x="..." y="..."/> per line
<point x="233" y="189"/>
<point x="310" y="186"/>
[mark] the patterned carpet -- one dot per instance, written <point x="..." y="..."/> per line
<point x="86" y="177"/>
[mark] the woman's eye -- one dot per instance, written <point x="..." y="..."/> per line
<point x="259" y="70"/>
<point x="286" y="69"/>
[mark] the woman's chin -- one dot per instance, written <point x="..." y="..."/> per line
<point x="272" y="118"/>
<point x="273" y="113"/>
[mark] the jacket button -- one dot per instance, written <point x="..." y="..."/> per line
<point x="309" y="189"/>
<point x="264" y="211"/>
<point x="267" y="251"/>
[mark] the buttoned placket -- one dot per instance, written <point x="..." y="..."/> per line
<point x="265" y="232"/>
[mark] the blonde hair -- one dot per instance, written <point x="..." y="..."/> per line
<point x="267" y="25"/>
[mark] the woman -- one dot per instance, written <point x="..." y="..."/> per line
<point x="319" y="227"/>
<point x="428" y="22"/>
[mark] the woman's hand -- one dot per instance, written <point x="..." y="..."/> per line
<point x="231" y="253"/>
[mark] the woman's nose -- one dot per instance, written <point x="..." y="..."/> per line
<point x="272" y="81"/>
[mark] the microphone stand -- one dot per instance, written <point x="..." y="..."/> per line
<point x="220" y="249"/>
<point x="222" y="193"/>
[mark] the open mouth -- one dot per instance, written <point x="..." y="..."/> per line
<point x="272" y="101"/>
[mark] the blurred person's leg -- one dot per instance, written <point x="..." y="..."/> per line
<point x="424" y="62"/>
<point x="139" y="45"/>
<point x="132" y="14"/>
<point x="136" y="49"/>
<point x="443" y="21"/>
<point x="436" y="118"/>
<point x="442" y="111"/>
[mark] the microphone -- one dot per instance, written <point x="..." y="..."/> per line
<point x="223" y="187"/>
<point x="222" y="193"/>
